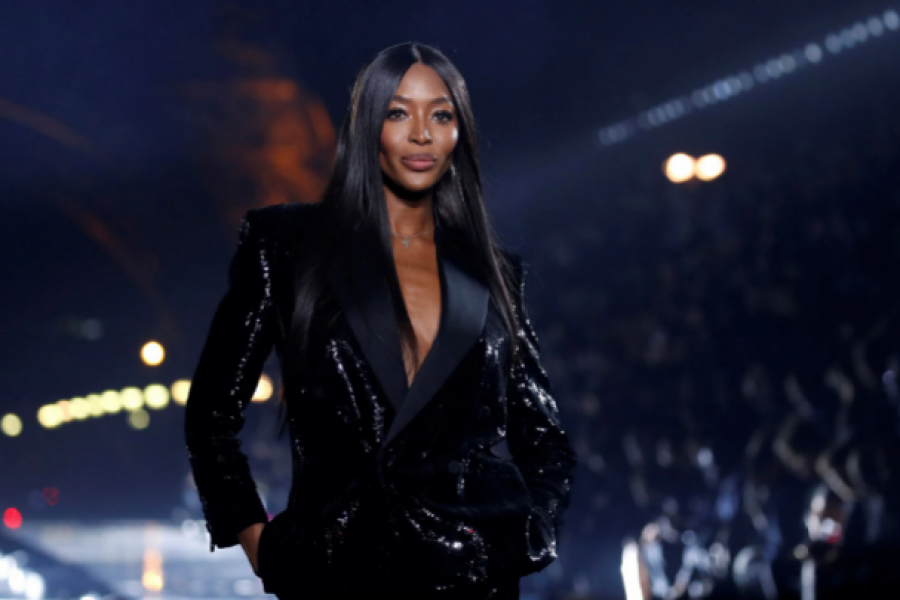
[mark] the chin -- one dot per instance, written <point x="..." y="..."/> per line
<point x="416" y="185"/>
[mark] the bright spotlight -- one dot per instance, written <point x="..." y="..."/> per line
<point x="11" y="425"/>
<point x="263" y="389"/>
<point x="679" y="168"/>
<point x="180" y="390"/>
<point x="709" y="167"/>
<point x="153" y="354"/>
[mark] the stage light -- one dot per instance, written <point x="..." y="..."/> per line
<point x="132" y="398"/>
<point x="833" y="43"/>
<point x="153" y="354"/>
<point x="698" y="99"/>
<point x="50" y="416"/>
<point x="79" y="408"/>
<point x="679" y="168"/>
<point x="112" y="401"/>
<point x="34" y="586"/>
<point x="709" y="167"/>
<point x="6" y="565"/>
<point x="50" y="495"/>
<point x="95" y="401"/>
<point x="891" y="20"/>
<point x="876" y="26"/>
<point x="11" y="425"/>
<point x="156" y="396"/>
<point x="631" y="571"/>
<point x="263" y="389"/>
<point x="153" y="571"/>
<point x="64" y="410"/>
<point x="12" y="518"/>
<point x="787" y="63"/>
<point x="16" y="579"/>
<point x="813" y="53"/>
<point x="180" y="390"/>
<point x="139" y="419"/>
<point x="774" y="68"/>
<point x="847" y="38"/>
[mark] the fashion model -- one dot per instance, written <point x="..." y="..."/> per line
<point x="428" y="456"/>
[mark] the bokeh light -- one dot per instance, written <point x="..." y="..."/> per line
<point x="11" y="425"/>
<point x="180" y="390"/>
<point x="79" y="408"/>
<point x="139" y="419"/>
<point x="132" y="398"/>
<point x="50" y="495"/>
<point x="679" y="168"/>
<point x="96" y="403"/>
<point x="156" y="396"/>
<point x="152" y="578"/>
<point x="50" y="416"/>
<point x="153" y="354"/>
<point x="709" y="167"/>
<point x="12" y="518"/>
<point x="112" y="401"/>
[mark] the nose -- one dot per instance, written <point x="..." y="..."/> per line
<point x="419" y="133"/>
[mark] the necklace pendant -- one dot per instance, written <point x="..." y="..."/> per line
<point x="405" y="242"/>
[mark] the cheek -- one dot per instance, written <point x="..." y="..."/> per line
<point x="390" y="140"/>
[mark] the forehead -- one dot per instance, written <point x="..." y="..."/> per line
<point x="422" y="82"/>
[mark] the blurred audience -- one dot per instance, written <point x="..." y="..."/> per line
<point x="727" y="358"/>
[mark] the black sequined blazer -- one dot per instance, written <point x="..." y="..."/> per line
<point x="462" y="478"/>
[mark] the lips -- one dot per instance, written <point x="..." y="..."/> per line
<point x="419" y="162"/>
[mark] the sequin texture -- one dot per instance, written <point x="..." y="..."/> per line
<point x="470" y="490"/>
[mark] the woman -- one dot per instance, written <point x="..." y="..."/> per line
<point x="429" y="460"/>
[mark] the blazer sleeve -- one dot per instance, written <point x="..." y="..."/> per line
<point x="240" y="339"/>
<point x="539" y="445"/>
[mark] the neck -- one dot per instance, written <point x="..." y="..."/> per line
<point x="409" y="213"/>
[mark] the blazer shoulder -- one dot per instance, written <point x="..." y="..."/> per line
<point x="280" y="220"/>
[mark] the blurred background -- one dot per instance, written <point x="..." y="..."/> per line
<point x="708" y="194"/>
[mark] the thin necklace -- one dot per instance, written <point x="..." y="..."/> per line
<point x="406" y="238"/>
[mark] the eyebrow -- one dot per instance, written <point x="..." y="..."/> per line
<point x="439" y="100"/>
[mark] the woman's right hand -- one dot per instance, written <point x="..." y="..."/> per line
<point x="249" y="539"/>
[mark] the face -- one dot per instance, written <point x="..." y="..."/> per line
<point x="419" y="132"/>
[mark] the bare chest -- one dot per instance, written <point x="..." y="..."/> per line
<point x="417" y="271"/>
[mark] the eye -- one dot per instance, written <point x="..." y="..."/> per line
<point x="395" y="114"/>
<point x="443" y="116"/>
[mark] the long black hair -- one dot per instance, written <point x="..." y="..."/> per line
<point x="354" y="205"/>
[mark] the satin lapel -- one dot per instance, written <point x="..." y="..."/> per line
<point x="367" y="307"/>
<point x="465" y="301"/>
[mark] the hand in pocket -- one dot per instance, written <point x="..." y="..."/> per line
<point x="249" y="539"/>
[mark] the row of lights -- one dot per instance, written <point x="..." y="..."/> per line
<point x="681" y="167"/>
<point x="132" y="400"/>
<point x="764" y="72"/>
